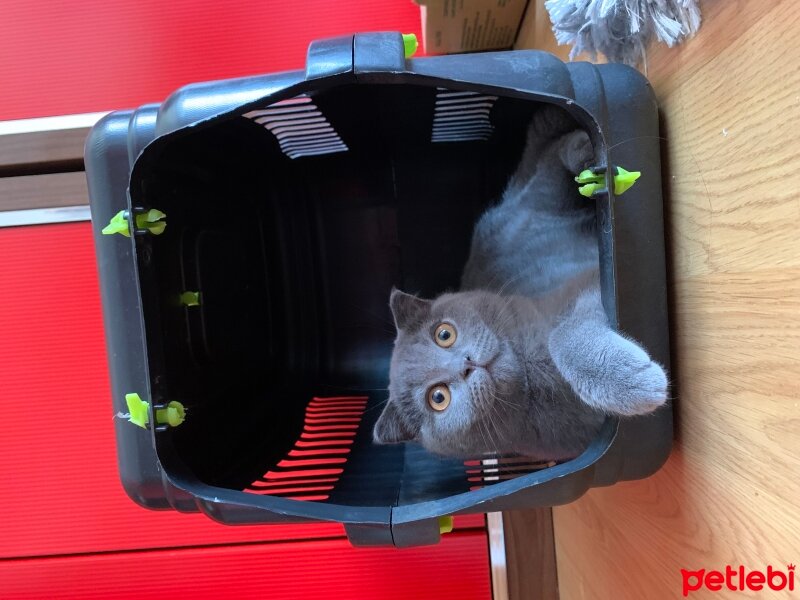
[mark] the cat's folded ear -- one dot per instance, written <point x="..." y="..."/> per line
<point x="390" y="429"/>
<point x="409" y="311"/>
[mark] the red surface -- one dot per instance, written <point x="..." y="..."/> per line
<point x="457" y="569"/>
<point x="60" y="489"/>
<point x="300" y="474"/>
<point x="60" y="499"/>
<point x="59" y="57"/>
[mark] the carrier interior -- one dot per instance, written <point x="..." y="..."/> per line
<point x="293" y="222"/>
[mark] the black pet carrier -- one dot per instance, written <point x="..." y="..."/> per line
<point x="269" y="218"/>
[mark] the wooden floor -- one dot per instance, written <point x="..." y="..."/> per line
<point x="730" y="492"/>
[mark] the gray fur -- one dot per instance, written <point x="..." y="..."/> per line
<point x="535" y="366"/>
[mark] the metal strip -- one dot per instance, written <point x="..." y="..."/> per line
<point x="42" y="216"/>
<point x="497" y="555"/>
<point x="50" y="123"/>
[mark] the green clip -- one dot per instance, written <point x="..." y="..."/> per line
<point x="190" y="298"/>
<point x="118" y="224"/>
<point x="410" y="44"/>
<point x="624" y="180"/>
<point x="139" y="415"/>
<point x="173" y="415"/>
<point x="152" y="221"/>
<point x="589" y="189"/>
<point x="445" y="525"/>
<point x="587" y="176"/>
<point x="591" y="182"/>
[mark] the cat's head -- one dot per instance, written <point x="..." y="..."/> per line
<point x="453" y="373"/>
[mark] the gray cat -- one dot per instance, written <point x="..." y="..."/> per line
<point x="522" y="359"/>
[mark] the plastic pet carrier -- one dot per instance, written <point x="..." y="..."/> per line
<point x="264" y="221"/>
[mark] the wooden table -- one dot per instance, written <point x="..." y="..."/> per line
<point x="729" y="494"/>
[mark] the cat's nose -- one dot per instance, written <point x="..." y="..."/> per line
<point x="469" y="367"/>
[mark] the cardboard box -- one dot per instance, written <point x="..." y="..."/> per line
<point x="451" y="26"/>
<point x="536" y="32"/>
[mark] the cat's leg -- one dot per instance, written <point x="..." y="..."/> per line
<point x="575" y="151"/>
<point x="605" y="369"/>
<point x="548" y="123"/>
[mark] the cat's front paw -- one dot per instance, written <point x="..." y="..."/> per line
<point x="636" y="385"/>
<point x="577" y="152"/>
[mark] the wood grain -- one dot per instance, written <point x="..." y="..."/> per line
<point x="42" y="151"/>
<point x="530" y="554"/>
<point x="728" y="495"/>
<point x="534" y="32"/>
<point x="43" y="191"/>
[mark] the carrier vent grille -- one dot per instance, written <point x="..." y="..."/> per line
<point x="462" y="116"/>
<point x="313" y="467"/>
<point x="300" y="127"/>
<point x="487" y="471"/>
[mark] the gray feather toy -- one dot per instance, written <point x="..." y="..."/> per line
<point x="621" y="29"/>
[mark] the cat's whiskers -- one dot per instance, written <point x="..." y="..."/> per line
<point x="496" y="420"/>
<point x="494" y="410"/>
<point x="509" y="281"/>
<point x="479" y="392"/>
<point x="505" y="417"/>
<point x="489" y="444"/>
<point x="354" y="388"/>
<point x="378" y="405"/>
<point x="503" y="422"/>
<point x="478" y="425"/>
<point x="505" y="403"/>
<point x="508" y="317"/>
<point x="514" y="279"/>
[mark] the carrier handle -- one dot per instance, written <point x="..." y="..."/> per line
<point x="421" y="532"/>
<point x="328" y="57"/>
<point x="380" y="52"/>
<point x="375" y="52"/>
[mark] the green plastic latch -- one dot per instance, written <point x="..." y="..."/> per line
<point x="173" y="415"/>
<point x="445" y="525"/>
<point x="152" y="220"/>
<point x="624" y="180"/>
<point x="190" y="298"/>
<point x="587" y="176"/>
<point x="118" y="224"/>
<point x="592" y="182"/>
<point x="139" y="415"/>
<point x="589" y="189"/>
<point x="410" y="44"/>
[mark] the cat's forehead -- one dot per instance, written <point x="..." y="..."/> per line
<point x="459" y="306"/>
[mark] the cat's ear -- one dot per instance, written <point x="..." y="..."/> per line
<point x="409" y="311"/>
<point x="390" y="429"/>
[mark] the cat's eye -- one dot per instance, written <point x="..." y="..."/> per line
<point x="439" y="397"/>
<point x="445" y="335"/>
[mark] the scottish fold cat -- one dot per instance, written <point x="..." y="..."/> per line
<point x="521" y="359"/>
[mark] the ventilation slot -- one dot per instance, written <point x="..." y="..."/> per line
<point x="462" y="116"/>
<point x="300" y="127"/>
<point x="488" y="471"/>
<point x="316" y="462"/>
